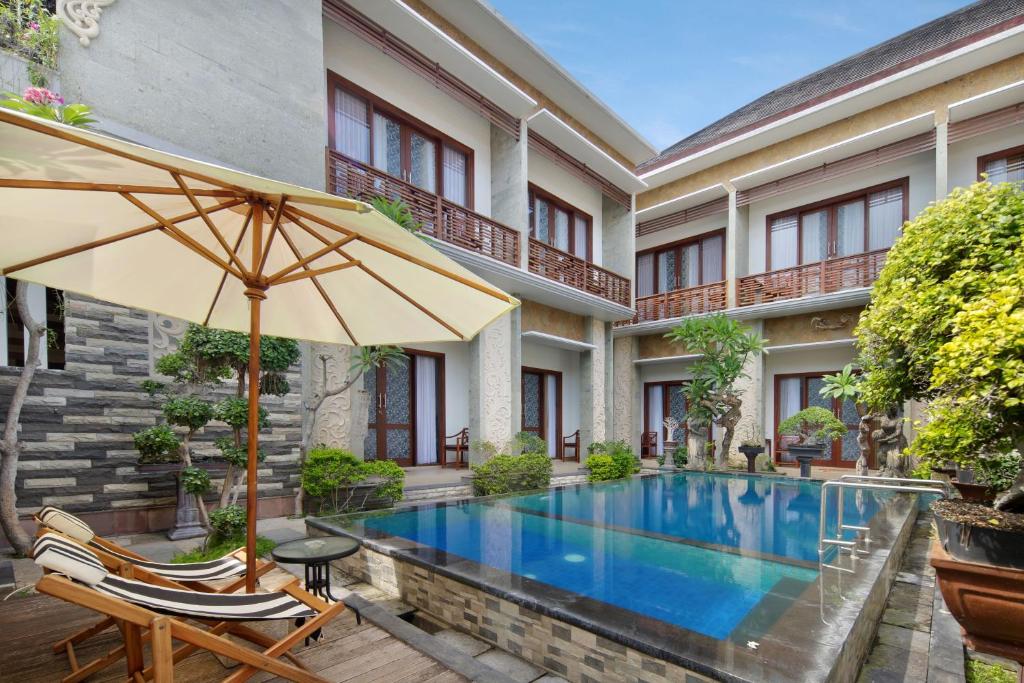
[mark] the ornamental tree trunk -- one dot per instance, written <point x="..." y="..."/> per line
<point x="1012" y="499"/>
<point x="696" y="444"/>
<point x="10" y="447"/>
<point x="727" y="421"/>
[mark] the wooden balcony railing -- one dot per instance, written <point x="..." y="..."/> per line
<point x="824" y="277"/>
<point x="678" y="302"/>
<point x="561" y="266"/>
<point x="441" y="218"/>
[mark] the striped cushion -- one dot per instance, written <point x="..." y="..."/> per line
<point x="67" y="524"/>
<point x="66" y="557"/>
<point x="224" y="568"/>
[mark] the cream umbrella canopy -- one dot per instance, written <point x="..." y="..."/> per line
<point x="90" y="214"/>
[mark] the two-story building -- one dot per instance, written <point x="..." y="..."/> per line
<point x="781" y="213"/>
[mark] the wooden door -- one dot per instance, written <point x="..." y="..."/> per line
<point x="391" y="433"/>
<point x="796" y="392"/>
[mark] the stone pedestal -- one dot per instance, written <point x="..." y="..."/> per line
<point x="186" y="517"/>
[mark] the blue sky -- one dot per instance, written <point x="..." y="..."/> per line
<point x="670" y="67"/>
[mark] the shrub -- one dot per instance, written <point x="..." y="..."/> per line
<point x="680" y="456"/>
<point x="813" y="426"/>
<point x="228" y="521"/>
<point x="611" y="460"/>
<point x="603" y="468"/>
<point x="998" y="471"/>
<point x="394" y="479"/>
<point x="235" y="413"/>
<point x="510" y="473"/>
<point x="189" y="412"/>
<point x="196" y="480"/>
<point x="237" y="456"/>
<point x="157" y="444"/>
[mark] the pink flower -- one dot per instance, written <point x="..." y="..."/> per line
<point x="33" y="25"/>
<point x="42" y="96"/>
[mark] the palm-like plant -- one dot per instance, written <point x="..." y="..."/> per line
<point x="399" y="212"/>
<point x="847" y="385"/>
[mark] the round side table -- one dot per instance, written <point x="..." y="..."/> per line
<point x="315" y="555"/>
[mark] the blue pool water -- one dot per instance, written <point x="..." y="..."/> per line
<point x="695" y="550"/>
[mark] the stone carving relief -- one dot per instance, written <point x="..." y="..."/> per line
<point x="597" y="378"/>
<point x="82" y="17"/>
<point x="164" y="334"/>
<point x="495" y="346"/>
<point x="333" y="425"/>
<point x="622" y="371"/>
<point x="819" y="323"/>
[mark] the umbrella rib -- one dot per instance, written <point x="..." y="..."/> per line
<point x="398" y="253"/>
<point x="305" y="261"/>
<point x="278" y="213"/>
<point x="224" y="275"/>
<point x="206" y="219"/>
<point x="107" y="187"/>
<point x="182" y="238"/>
<point x="369" y="271"/>
<point x="318" y="271"/>
<point x="320" y="289"/>
<point x="71" y="251"/>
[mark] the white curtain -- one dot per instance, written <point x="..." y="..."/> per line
<point x="645" y="275"/>
<point x="789" y="404"/>
<point x="551" y="413"/>
<point x="351" y="126"/>
<point x="691" y="263"/>
<point x="711" y="257"/>
<point x="885" y="217"/>
<point x="561" y="230"/>
<point x="655" y="414"/>
<point x="783" y="243"/>
<point x="454" y="168"/>
<point x="850" y="228"/>
<point x="814" y="236"/>
<point x="426" y="410"/>
<point x="580" y="237"/>
<point x="997" y="170"/>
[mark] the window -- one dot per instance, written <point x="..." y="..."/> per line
<point x="793" y="393"/>
<point x="690" y="263"/>
<point x="43" y="302"/>
<point x="866" y="220"/>
<point x="564" y="227"/>
<point x="368" y="130"/>
<point x="1006" y="166"/>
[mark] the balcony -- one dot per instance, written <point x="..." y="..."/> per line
<point x="824" y="277"/>
<point x="441" y="219"/>
<point x="560" y="266"/>
<point x="678" y="303"/>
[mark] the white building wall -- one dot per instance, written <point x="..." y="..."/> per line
<point x="551" y="178"/>
<point x="920" y="168"/>
<point x="963" y="156"/>
<point x="350" y="57"/>
<point x="567" y="362"/>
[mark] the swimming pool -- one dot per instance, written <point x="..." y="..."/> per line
<point x="704" y="561"/>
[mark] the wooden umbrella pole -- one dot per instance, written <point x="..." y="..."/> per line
<point x="256" y="293"/>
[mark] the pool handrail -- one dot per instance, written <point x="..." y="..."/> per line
<point x="855" y="481"/>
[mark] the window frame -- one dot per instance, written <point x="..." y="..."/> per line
<point x="835" y="450"/>
<point x="533" y="193"/>
<point x="409" y="124"/>
<point x="831" y="205"/>
<point x="53" y="357"/>
<point x="678" y="245"/>
<point x="1001" y="154"/>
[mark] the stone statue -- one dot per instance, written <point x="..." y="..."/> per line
<point x="890" y="444"/>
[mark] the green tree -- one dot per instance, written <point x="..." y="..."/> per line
<point x="946" y="326"/>
<point x="847" y="385"/>
<point x="724" y="345"/>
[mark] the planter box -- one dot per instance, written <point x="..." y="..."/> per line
<point x="988" y="602"/>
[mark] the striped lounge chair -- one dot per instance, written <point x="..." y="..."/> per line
<point x="160" y="614"/>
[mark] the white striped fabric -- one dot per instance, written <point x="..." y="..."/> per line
<point x="66" y="557"/>
<point x="65" y="523"/>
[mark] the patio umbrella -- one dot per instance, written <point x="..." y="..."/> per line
<point x="109" y="219"/>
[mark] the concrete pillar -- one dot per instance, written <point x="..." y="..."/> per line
<point x="941" y="154"/>
<point x="618" y="237"/>
<point x="625" y="391"/>
<point x="593" y="383"/>
<point x="490" y="391"/>
<point x="335" y="419"/>
<point x="509" y="192"/>
<point x="516" y="368"/>
<point x="752" y="388"/>
<point x="735" y="246"/>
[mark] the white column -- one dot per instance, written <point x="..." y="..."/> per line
<point x="941" y="154"/>
<point x="735" y="245"/>
<point x="509" y="194"/>
<point x="490" y="391"/>
<point x="593" y="391"/>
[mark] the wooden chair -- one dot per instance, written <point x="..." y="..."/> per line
<point x="649" y="444"/>
<point x="571" y="442"/>
<point x="460" y="448"/>
<point x="159" y="614"/>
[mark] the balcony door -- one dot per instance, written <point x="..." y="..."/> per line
<point x="405" y="420"/>
<point x="663" y="400"/>
<point x="796" y="392"/>
<point x="560" y="225"/>
<point x="688" y="263"/>
<point x="542" y="406"/>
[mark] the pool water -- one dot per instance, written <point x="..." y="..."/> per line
<point x="699" y="551"/>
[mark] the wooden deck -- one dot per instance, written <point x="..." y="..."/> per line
<point x="349" y="653"/>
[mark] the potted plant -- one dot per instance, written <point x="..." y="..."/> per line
<point x="751" y="446"/>
<point x="814" y="429"/>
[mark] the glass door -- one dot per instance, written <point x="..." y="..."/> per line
<point x="793" y="393"/>
<point x="542" y="407"/>
<point x="389" y="435"/>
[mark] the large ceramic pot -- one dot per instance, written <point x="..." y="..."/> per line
<point x="804" y="454"/>
<point x="751" y="452"/>
<point x="988" y="602"/>
<point x="985" y="545"/>
<point x="975" y="493"/>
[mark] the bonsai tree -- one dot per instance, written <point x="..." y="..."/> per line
<point x="845" y="385"/>
<point x="724" y="346"/>
<point x="813" y="427"/>
<point x="50" y="106"/>
<point x="946" y="326"/>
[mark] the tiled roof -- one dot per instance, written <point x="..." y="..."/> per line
<point x="943" y="34"/>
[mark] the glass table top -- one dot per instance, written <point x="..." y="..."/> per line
<point x="321" y="549"/>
